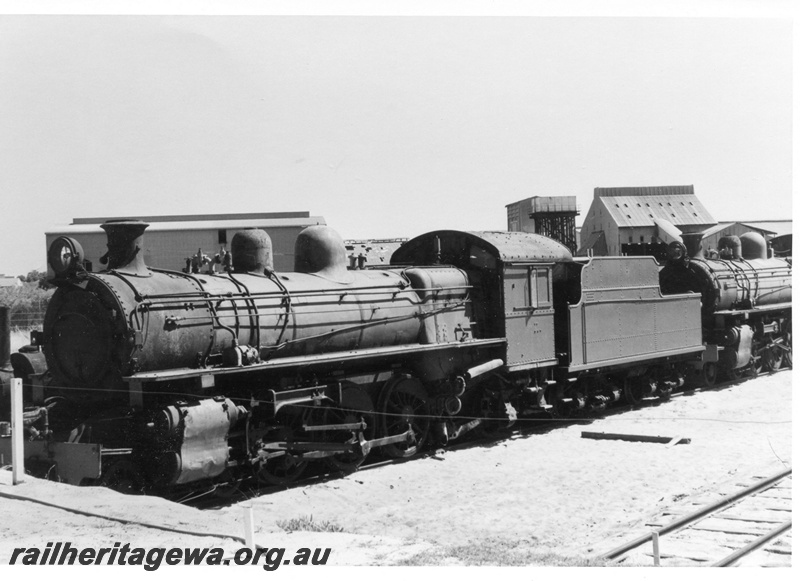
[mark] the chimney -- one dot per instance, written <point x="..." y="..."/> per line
<point x="693" y="243"/>
<point x="125" y="246"/>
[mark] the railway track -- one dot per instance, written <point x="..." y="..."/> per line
<point x="750" y="526"/>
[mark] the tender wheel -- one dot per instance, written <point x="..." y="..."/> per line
<point x="709" y="374"/>
<point x="403" y="402"/>
<point x="356" y="407"/>
<point x="632" y="392"/>
<point x="124" y="477"/>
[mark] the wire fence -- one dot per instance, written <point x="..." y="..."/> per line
<point x="24" y="320"/>
<point x="26" y="307"/>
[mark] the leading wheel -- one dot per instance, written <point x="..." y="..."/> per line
<point x="403" y="402"/>
<point x="286" y="467"/>
<point x="281" y="469"/>
<point x="356" y="407"/>
<point x="736" y="374"/>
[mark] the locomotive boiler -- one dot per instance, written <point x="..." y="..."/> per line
<point x="132" y="319"/>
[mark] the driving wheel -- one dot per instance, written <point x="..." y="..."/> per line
<point x="356" y="407"/>
<point x="403" y="401"/>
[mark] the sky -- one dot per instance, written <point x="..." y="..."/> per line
<point x="387" y="126"/>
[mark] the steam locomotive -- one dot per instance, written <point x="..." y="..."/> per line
<point x="152" y="379"/>
<point x="747" y="300"/>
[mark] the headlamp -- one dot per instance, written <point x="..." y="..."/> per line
<point x="65" y="256"/>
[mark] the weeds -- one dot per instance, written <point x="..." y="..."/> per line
<point x="306" y="523"/>
<point x="495" y="552"/>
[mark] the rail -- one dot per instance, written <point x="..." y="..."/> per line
<point x="702" y="513"/>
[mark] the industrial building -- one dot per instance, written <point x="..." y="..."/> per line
<point x="551" y="216"/>
<point x="9" y="281"/>
<point x="365" y="253"/>
<point x="170" y="241"/>
<point x="777" y="232"/>
<point x="640" y="220"/>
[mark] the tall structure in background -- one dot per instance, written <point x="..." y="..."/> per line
<point x="551" y="216"/>
<point x="641" y="220"/>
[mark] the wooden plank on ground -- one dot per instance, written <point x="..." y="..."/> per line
<point x="634" y="438"/>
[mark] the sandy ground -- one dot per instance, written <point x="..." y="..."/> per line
<point x="533" y="495"/>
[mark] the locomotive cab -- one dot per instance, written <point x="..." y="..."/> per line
<point x="511" y="275"/>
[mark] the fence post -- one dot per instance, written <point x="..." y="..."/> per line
<point x="17" y="435"/>
<point x="249" y="532"/>
<point x="656" y="552"/>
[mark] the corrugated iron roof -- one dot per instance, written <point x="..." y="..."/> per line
<point x="506" y="246"/>
<point x="198" y="217"/>
<point x="645" y="191"/>
<point x="778" y="227"/>
<point x="596" y="242"/>
<point x="681" y="210"/>
<point x="203" y="225"/>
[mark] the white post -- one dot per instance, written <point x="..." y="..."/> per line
<point x="656" y="552"/>
<point x="248" y="527"/>
<point x="17" y="429"/>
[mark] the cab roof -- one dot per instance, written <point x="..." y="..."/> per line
<point x="503" y="246"/>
